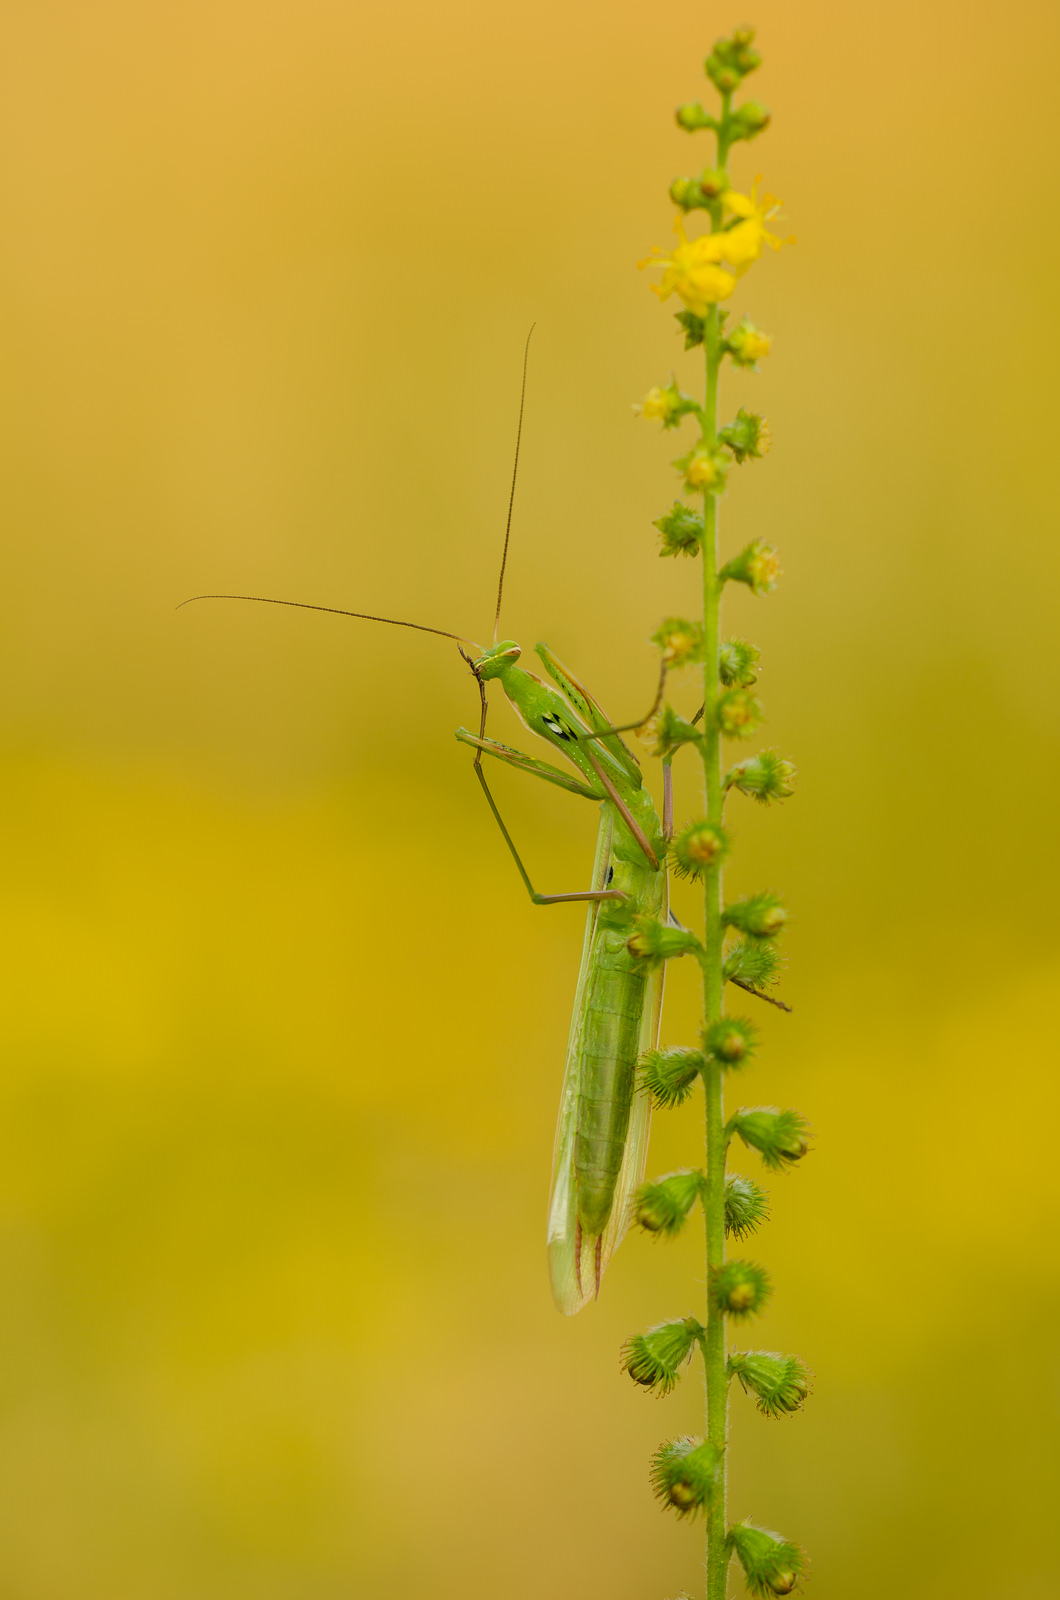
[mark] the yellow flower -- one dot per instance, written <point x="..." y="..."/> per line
<point x="692" y="271"/>
<point x="743" y="243"/>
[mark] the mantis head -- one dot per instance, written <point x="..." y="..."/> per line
<point x="492" y="663"/>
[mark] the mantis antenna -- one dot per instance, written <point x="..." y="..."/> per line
<point x="303" y="605"/>
<point x="515" y="473"/>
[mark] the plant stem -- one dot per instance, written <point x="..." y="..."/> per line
<point x="713" y="983"/>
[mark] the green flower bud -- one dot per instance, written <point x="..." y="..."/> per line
<point x="747" y="345"/>
<point x="654" y="942"/>
<point x="714" y="182"/>
<point x="695" y="328"/>
<point x="738" y="664"/>
<point x="780" y="1384"/>
<point x="756" y="566"/>
<point x="682" y="531"/>
<point x="752" y="962"/>
<point x="780" y="1137"/>
<point x="748" y="437"/>
<point x="737" y="714"/>
<point x="697" y="847"/>
<point x="748" y="121"/>
<point x="765" y="777"/>
<point x="654" y="1359"/>
<point x="731" y="60"/>
<point x="692" y="117"/>
<point x="687" y="194"/>
<point x="746" y="1205"/>
<point x="704" y="468"/>
<point x="740" y="1288"/>
<point x="682" y="1474"/>
<point x="771" y="1565"/>
<point x="731" y="1041"/>
<point x="681" y="642"/>
<point x="759" y="916"/>
<point x="670" y="730"/>
<point x="669" y="1075"/>
<point x="662" y="1206"/>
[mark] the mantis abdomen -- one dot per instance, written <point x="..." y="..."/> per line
<point x="614" y="1007"/>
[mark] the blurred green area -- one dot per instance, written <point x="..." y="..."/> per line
<point x="282" y="1040"/>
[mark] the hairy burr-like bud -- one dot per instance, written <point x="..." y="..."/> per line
<point x="731" y="60"/>
<point x="780" y="1137"/>
<point x="681" y="642"/>
<point x="765" y="777"/>
<point x="746" y="1205"/>
<point x="671" y="730"/>
<point x="755" y="963"/>
<point x="697" y="847"/>
<point x="747" y="345"/>
<point x="654" y="1359"/>
<point x="654" y="942"/>
<point x="759" y="916"/>
<point x="695" y="327"/>
<point x="740" y="1288"/>
<point x="738" y="664"/>
<point x="682" y="531"/>
<point x="682" y="1474"/>
<point x="756" y="566"/>
<point x="779" y="1384"/>
<point x="737" y="714"/>
<point x="748" y="437"/>
<point x="661" y="1207"/>
<point x="704" y="468"/>
<point x="731" y="1041"/>
<point x="669" y="1075"/>
<point x="772" y="1564"/>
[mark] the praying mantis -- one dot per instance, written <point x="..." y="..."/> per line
<point x="602" y="1130"/>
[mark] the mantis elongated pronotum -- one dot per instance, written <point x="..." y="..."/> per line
<point x="602" y="1132"/>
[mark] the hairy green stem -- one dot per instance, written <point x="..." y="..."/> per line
<point x="714" y="1345"/>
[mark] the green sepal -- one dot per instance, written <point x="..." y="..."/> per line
<point x="779" y="1384"/>
<point x="764" y="777"/>
<point x="739" y="1288"/>
<point x="772" y="1564"/>
<point x="748" y="437"/>
<point x="669" y="1075"/>
<point x="747" y="121"/>
<point x="754" y="962"/>
<point x="683" y="1473"/>
<point x="682" y="531"/>
<point x="758" y="916"/>
<point x="654" y="1359"/>
<point x="731" y="1041"/>
<point x="680" y="641"/>
<point x="662" y="1206"/>
<point x="654" y="942"/>
<point x="738" y="664"/>
<point x="746" y="1205"/>
<point x="756" y="566"/>
<point x="737" y="714"/>
<point x="697" y="847"/>
<point x="695" y="328"/>
<point x="780" y="1137"/>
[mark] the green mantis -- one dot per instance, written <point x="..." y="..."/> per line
<point x="602" y="1131"/>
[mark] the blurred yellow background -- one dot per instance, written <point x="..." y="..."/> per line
<point x="282" y="1038"/>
